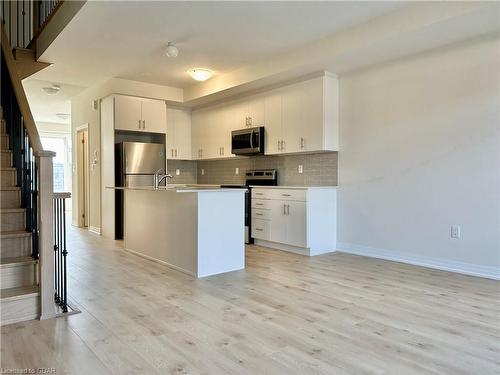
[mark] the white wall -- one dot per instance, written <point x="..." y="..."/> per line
<point x="420" y="151"/>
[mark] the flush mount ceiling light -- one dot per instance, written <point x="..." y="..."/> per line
<point x="63" y="116"/>
<point x="51" y="90"/>
<point x="200" y="74"/>
<point x="172" y="50"/>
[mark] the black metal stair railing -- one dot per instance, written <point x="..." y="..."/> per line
<point x="23" y="19"/>
<point x="23" y="158"/>
<point x="60" y="251"/>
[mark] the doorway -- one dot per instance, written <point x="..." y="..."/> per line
<point x="82" y="166"/>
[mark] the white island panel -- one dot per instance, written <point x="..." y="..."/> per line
<point x="221" y="232"/>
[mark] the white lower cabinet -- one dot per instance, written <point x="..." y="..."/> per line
<point x="295" y="219"/>
<point x="301" y="220"/>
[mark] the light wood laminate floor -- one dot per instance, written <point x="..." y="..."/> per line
<point x="284" y="314"/>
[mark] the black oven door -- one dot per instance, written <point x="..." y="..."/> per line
<point x="248" y="141"/>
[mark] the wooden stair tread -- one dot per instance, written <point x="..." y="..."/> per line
<point x="7" y="169"/>
<point x="14" y="234"/>
<point x="9" y="188"/>
<point x="16" y="261"/>
<point x="19" y="292"/>
<point x="11" y="210"/>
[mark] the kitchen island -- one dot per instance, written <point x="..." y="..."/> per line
<point x="196" y="230"/>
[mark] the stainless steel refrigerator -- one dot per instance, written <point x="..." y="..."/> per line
<point x="135" y="165"/>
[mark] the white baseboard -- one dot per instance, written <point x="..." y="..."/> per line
<point x="95" y="230"/>
<point x="440" y="264"/>
<point x="187" y="272"/>
<point x="283" y="247"/>
<point x="290" y="248"/>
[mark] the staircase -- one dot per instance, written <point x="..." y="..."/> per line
<point x="20" y="292"/>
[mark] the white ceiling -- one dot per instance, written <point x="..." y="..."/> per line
<point x="45" y="107"/>
<point x="127" y="39"/>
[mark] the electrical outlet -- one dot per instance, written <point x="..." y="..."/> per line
<point x="202" y="172"/>
<point x="237" y="171"/>
<point x="177" y="172"/>
<point x="455" y="231"/>
<point x="301" y="169"/>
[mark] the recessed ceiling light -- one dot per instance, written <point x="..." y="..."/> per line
<point x="51" y="90"/>
<point x="63" y="116"/>
<point x="172" y="50"/>
<point x="200" y="74"/>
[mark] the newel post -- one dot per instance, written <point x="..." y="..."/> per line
<point x="46" y="232"/>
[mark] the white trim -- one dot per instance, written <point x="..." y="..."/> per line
<point x="82" y="127"/>
<point x="283" y="247"/>
<point x="95" y="230"/>
<point x="23" y="319"/>
<point x="424" y="261"/>
<point x="161" y="262"/>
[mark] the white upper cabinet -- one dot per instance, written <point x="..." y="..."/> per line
<point x="128" y="113"/>
<point x="255" y="112"/>
<point x="309" y="117"/>
<point x="273" y="123"/>
<point x="301" y="117"/>
<point x="139" y="114"/>
<point x="154" y="116"/>
<point x="178" y="134"/>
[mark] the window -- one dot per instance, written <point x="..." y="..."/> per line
<point x="61" y="145"/>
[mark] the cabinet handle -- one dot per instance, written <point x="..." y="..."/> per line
<point x="144" y="124"/>
<point x="259" y="214"/>
<point x="259" y="204"/>
<point x="302" y="142"/>
<point x="222" y="151"/>
<point x="259" y="229"/>
<point x="284" y="209"/>
<point x="175" y="152"/>
<point x="139" y="124"/>
<point x="259" y="193"/>
<point x="283" y="146"/>
<point x="286" y="195"/>
<point x="288" y="209"/>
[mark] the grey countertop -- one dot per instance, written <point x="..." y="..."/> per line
<point x="191" y="188"/>
<point x="293" y="187"/>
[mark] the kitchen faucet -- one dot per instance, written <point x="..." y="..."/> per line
<point x="157" y="178"/>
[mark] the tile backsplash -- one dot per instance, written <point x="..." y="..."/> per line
<point x="318" y="169"/>
<point x="187" y="169"/>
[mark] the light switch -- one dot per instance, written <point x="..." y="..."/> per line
<point x="202" y="172"/>
<point x="237" y="171"/>
<point x="301" y="169"/>
<point x="177" y="172"/>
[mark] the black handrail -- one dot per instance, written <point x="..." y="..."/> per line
<point x="60" y="251"/>
<point x="23" y="158"/>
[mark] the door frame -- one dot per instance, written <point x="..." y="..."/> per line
<point x="83" y="176"/>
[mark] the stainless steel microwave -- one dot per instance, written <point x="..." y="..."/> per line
<point x="248" y="141"/>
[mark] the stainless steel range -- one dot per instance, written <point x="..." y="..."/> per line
<point x="256" y="177"/>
